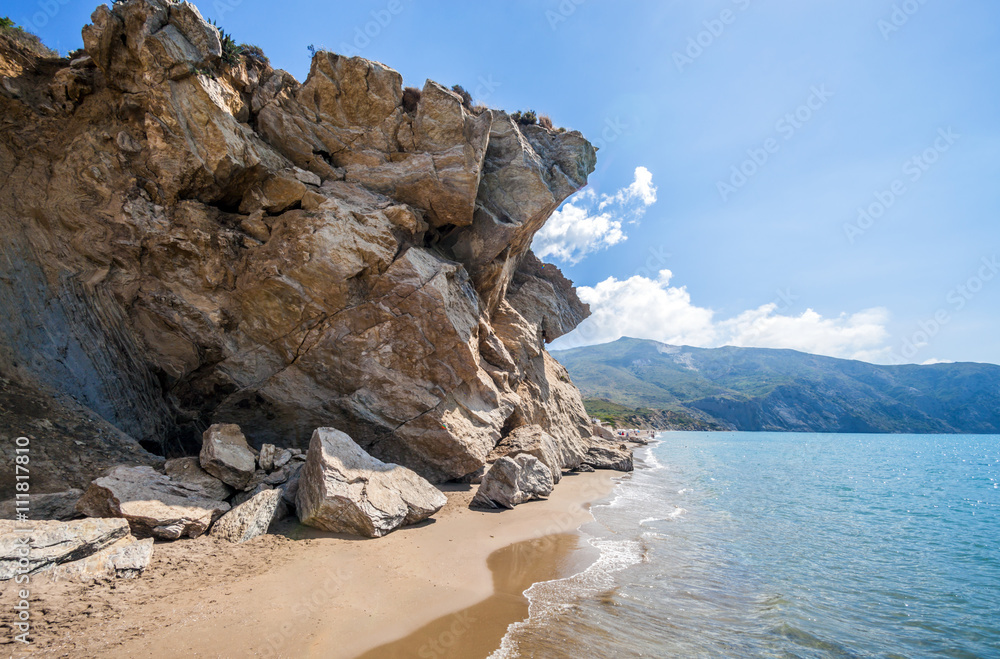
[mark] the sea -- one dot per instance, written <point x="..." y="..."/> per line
<point x="730" y="544"/>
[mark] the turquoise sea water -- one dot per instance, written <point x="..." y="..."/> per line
<point x="786" y="545"/>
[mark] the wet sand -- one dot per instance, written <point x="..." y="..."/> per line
<point x="305" y="593"/>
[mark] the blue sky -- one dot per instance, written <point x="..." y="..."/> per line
<point x="839" y="95"/>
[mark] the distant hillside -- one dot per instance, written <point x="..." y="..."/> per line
<point x="763" y="389"/>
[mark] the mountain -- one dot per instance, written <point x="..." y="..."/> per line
<point x="764" y="389"/>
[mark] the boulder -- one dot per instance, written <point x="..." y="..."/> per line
<point x="290" y="488"/>
<point x="251" y="518"/>
<point x="608" y="456"/>
<point x="52" y="543"/>
<point x="188" y="471"/>
<point x="226" y="455"/>
<point x="126" y="559"/>
<point x="583" y="467"/>
<point x="345" y="490"/>
<point x="55" y="505"/>
<point x="266" y="458"/>
<point x="153" y="504"/>
<point x="533" y="441"/>
<point x="512" y="481"/>
<point x="599" y="430"/>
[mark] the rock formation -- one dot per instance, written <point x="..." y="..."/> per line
<point x="345" y="490"/>
<point x="226" y="455"/>
<point x="84" y="550"/>
<point x="188" y="242"/>
<point x="607" y="455"/>
<point x="512" y="481"/>
<point x="153" y="504"/>
<point x="251" y="518"/>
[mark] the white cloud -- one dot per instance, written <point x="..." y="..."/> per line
<point x="936" y="361"/>
<point x="644" y="308"/>
<point x="586" y="224"/>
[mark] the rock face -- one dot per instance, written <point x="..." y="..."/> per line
<point x="345" y="490"/>
<point x="190" y="243"/>
<point x="226" y="455"/>
<point x="126" y="559"/>
<point x="153" y="504"/>
<point x="605" y="455"/>
<point x="512" y="481"/>
<point x="249" y="519"/>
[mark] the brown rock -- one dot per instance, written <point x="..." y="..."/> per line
<point x="189" y="472"/>
<point x="226" y="455"/>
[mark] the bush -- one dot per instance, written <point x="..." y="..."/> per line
<point x="230" y="50"/>
<point x="411" y="99"/>
<point x="466" y="96"/>
<point x="6" y="23"/>
<point x="526" y="118"/>
<point x="545" y="122"/>
<point x="254" y="53"/>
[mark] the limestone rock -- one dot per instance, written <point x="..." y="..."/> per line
<point x="152" y="503"/>
<point x="533" y="441"/>
<point x="51" y="543"/>
<point x="603" y="455"/>
<point x="51" y="506"/>
<point x="189" y="472"/>
<point x="278" y="255"/>
<point x="226" y="455"/>
<point x="126" y="559"/>
<point x="249" y="519"/>
<point x="512" y="481"/>
<point x="602" y="432"/>
<point x="583" y="467"/>
<point x="345" y="490"/>
<point x="266" y="457"/>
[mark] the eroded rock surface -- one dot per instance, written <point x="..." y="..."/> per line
<point x="512" y="481"/>
<point x="345" y="490"/>
<point x="251" y="518"/>
<point x="153" y="504"/>
<point x="606" y="455"/>
<point x="189" y="243"/>
<point x="50" y="543"/>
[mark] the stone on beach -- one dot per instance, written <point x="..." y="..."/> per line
<point x="251" y="518"/>
<point x="188" y="471"/>
<point x="603" y="455"/>
<point x="512" y="481"/>
<point x="152" y="503"/>
<point x="345" y="490"/>
<point x="226" y="455"/>
<point x="532" y="440"/>
<point x="126" y="559"/>
<point x="52" y="543"/>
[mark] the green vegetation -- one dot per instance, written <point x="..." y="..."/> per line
<point x="17" y="34"/>
<point x="6" y="23"/>
<point x="253" y="53"/>
<point x="763" y="389"/>
<point x="526" y="118"/>
<point x="231" y="51"/>
<point x="620" y="416"/>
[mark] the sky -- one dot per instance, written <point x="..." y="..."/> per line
<point x="818" y="175"/>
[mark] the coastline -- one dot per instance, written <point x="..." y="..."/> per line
<point x="305" y="593"/>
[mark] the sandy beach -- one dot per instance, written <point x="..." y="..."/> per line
<point x="446" y="587"/>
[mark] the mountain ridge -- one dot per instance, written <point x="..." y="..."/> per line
<point x="787" y="390"/>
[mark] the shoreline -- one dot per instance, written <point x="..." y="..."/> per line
<point x="306" y="593"/>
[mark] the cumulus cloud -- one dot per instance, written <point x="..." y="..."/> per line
<point x="588" y="223"/>
<point x="646" y="308"/>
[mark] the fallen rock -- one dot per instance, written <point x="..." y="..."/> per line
<point x="584" y="468"/>
<point x="126" y="559"/>
<point x="249" y="519"/>
<point x="512" y="481"/>
<point x="266" y="458"/>
<point x="345" y="490"/>
<point x="283" y="458"/>
<point x="152" y="503"/>
<point x="226" y="455"/>
<point x="188" y="471"/>
<point x="608" y="456"/>
<point x="290" y="488"/>
<point x="52" y="506"/>
<point x="600" y="431"/>
<point x="532" y="440"/>
<point x="49" y="543"/>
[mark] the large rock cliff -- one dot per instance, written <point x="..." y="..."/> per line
<point x="188" y="242"/>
